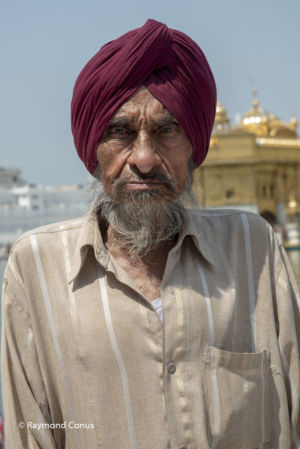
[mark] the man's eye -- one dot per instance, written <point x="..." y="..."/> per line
<point x="170" y="129"/>
<point x="119" y="131"/>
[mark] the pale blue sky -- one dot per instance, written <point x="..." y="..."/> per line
<point x="44" y="45"/>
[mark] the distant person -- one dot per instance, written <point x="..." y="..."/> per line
<point x="7" y="249"/>
<point x="1" y="432"/>
<point x="146" y="324"/>
<point x="279" y="231"/>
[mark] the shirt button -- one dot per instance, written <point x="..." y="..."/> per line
<point x="171" y="367"/>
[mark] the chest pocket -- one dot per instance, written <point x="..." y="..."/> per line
<point x="237" y="398"/>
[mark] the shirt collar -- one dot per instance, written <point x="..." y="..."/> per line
<point x="90" y="236"/>
<point x="196" y="226"/>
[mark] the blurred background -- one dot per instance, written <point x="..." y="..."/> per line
<point x="254" y="159"/>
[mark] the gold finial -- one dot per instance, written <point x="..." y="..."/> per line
<point x="255" y="120"/>
<point x="255" y="101"/>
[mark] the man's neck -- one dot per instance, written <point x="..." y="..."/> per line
<point x="146" y="270"/>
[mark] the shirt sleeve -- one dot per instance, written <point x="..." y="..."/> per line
<point x="25" y="406"/>
<point x="289" y="342"/>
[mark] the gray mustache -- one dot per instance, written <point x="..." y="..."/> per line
<point x="157" y="177"/>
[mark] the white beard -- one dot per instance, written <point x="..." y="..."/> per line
<point x="141" y="219"/>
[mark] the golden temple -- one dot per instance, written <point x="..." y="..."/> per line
<point x="253" y="166"/>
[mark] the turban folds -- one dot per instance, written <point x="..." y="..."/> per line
<point x="168" y="63"/>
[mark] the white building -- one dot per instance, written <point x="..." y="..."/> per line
<point x="26" y="206"/>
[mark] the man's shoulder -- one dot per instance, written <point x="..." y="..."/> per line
<point x="228" y="234"/>
<point x="47" y="233"/>
<point x="230" y="227"/>
<point x="227" y="217"/>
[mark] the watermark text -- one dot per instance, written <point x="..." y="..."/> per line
<point x="62" y="425"/>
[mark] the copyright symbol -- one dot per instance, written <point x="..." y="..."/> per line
<point x="21" y="425"/>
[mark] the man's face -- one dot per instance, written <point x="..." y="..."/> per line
<point x="144" y="149"/>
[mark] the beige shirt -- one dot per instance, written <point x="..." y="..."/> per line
<point x="83" y="351"/>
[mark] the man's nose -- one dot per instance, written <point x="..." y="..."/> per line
<point x="144" y="156"/>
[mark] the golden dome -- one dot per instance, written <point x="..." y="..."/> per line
<point x="277" y="128"/>
<point x="255" y="120"/>
<point x="263" y="124"/>
<point x="221" y="118"/>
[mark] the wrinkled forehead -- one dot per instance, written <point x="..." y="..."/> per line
<point x="142" y="105"/>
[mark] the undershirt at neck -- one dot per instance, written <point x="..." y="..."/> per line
<point x="158" y="307"/>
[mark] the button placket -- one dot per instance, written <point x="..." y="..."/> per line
<point x="173" y="350"/>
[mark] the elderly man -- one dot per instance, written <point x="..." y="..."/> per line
<point x="145" y="324"/>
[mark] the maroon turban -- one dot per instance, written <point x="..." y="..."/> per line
<point x="172" y="67"/>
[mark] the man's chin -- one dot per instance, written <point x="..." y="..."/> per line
<point x="156" y="195"/>
<point x="141" y="219"/>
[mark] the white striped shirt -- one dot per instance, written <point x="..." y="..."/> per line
<point x="81" y="344"/>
